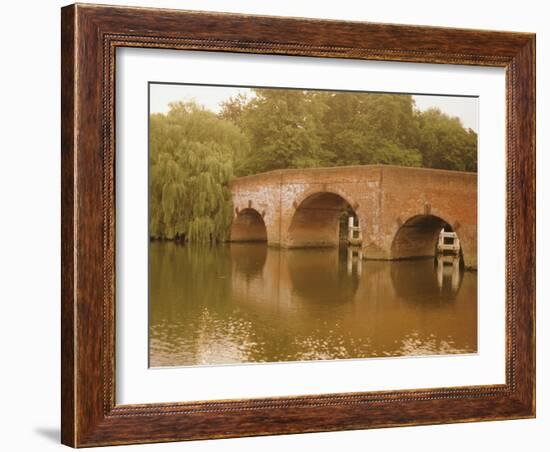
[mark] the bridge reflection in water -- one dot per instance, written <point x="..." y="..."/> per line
<point x="448" y="271"/>
<point x="242" y="303"/>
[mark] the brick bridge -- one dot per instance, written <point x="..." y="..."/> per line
<point x="400" y="210"/>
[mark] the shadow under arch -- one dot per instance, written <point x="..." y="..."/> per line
<point x="316" y="220"/>
<point x="248" y="226"/>
<point x="417" y="237"/>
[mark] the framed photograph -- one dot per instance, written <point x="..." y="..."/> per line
<point x="281" y="225"/>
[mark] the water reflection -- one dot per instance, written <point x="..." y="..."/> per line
<point x="418" y="280"/>
<point x="318" y="277"/>
<point x="250" y="303"/>
<point x="355" y="259"/>
<point x="448" y="271"/>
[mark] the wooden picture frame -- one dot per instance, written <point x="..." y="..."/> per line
<point x="90" y="36"/>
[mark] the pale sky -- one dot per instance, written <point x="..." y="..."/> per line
<point x="465" y="108"/>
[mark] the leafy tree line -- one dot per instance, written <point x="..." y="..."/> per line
<point x="301" y="129"/>
<point x="194" y="153"/>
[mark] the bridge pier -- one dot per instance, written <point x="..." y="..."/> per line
<point x="371" y="251"/>
<point x="468" y="243"/>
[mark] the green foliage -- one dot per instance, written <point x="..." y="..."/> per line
<point x="300" y="129"/>
<point x="283" y="128"/>
<point x="195" y="152"/>
<point x="364" y="128"/>
<point x="445" y="143"/>
<point x="191" y="164"/>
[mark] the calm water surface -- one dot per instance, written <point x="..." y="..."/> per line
<point x="240" y="303"/>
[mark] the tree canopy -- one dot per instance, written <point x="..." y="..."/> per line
<point x="194" y="152"/>
<point x="300" y="129"/>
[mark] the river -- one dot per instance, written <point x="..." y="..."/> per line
<point x="249" y="303"/>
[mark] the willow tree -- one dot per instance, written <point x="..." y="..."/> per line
<point x="192" y="152"/>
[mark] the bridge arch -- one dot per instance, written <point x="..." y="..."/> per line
<point x="417" y="237"/>
<point x="248" y="226"/>
<point x="316" y="219"/>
